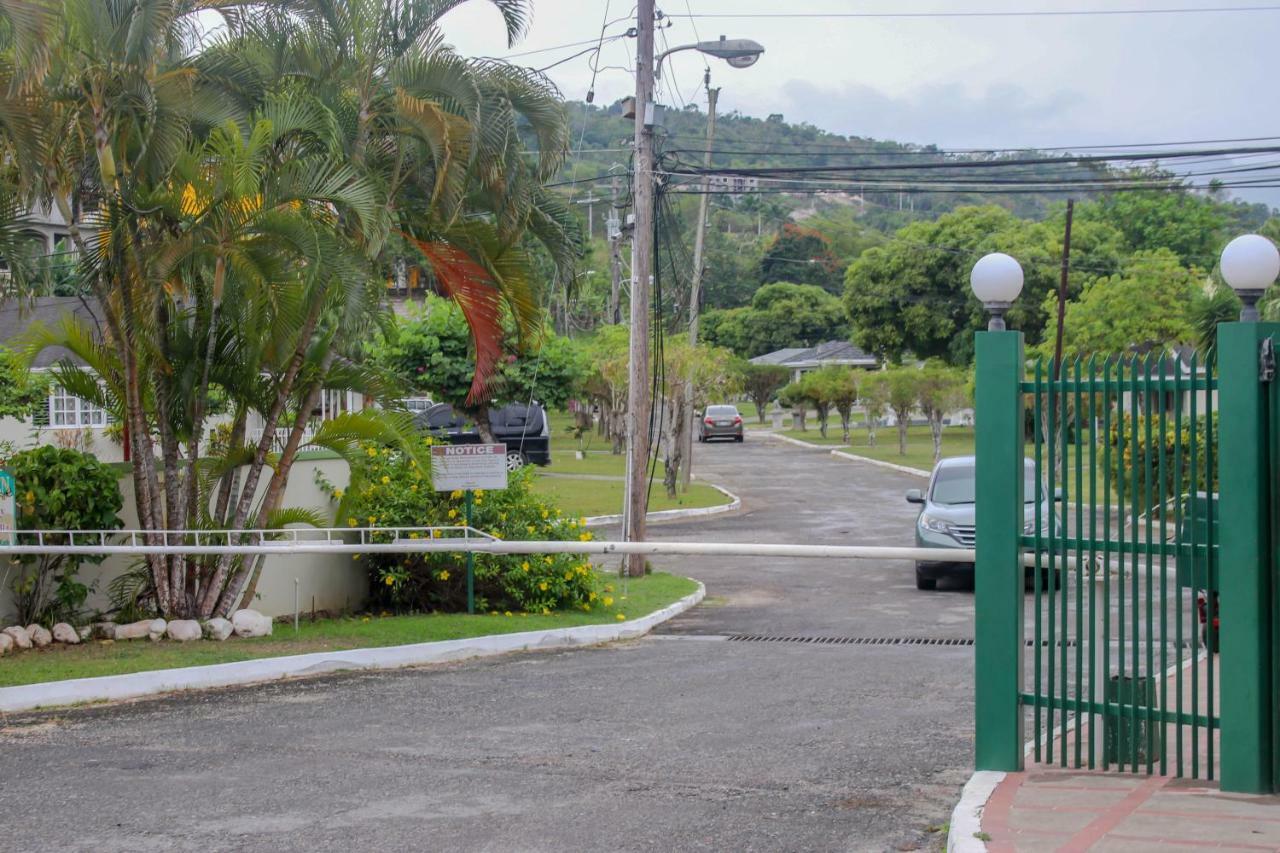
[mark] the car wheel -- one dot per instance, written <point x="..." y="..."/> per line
<point x="924" y="583"/>
<point x="739" y="439"/>
<point x="516" y="460"/>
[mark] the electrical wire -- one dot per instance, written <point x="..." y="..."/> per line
<point x="995" y="13"/>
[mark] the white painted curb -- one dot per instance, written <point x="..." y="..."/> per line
<point x="966" y="817"/>
<point x="735" y="503"/>
<point x="134" y="685"/>
<point x="797" y="442"/>
<point x="902" y="469"/>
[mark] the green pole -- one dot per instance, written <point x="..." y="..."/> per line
<point x="471" y="559"/>
<point x="1244" y="548"/>
<point x="998" y="572"/>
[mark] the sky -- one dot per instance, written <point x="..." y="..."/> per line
<point x="1001" y="82"/>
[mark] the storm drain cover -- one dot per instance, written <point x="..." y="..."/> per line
<point x="853" y="641"/>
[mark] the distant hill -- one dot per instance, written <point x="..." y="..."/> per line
<point x="748" y="142"/>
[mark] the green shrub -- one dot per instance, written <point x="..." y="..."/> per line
<point x="59" y="489"/>
<point x="1173" y="447"/>
<point x="390" y="489"/>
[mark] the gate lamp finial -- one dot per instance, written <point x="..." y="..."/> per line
<point x="1250" y="264"/>
<point x="996" y="281"/>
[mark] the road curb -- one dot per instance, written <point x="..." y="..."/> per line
<point x="964" y="833"/>
<point x="902" y="469"/>
<point x="797" y="442"/>
<point x="134" y="685"/>
<point x="735" y="503"/>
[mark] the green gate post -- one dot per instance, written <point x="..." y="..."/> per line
<point x="998" y="572"/>
<point x="1244" y="561"/>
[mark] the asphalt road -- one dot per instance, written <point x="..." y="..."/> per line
<point x="681" y="741"/>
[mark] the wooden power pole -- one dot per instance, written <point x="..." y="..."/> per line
<point x="695" y="289"/>
<point x="639" y="401"/>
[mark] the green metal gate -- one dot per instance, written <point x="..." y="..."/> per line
<point x="1123" y="562"/>
<point x="1097" y="615"/>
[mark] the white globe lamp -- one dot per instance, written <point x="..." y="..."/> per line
<point x="996" y="281"/>
<point x="1250" y="264"/>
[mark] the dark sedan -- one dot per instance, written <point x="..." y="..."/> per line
<point x="720" y="422"/>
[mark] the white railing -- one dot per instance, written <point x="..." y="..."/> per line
<point x="281" y="436"/>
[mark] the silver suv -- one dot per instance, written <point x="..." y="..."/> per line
<point x="946" y="517"/>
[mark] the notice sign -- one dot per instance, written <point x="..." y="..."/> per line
<point x="468" y="466"/>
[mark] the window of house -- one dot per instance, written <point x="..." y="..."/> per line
<point x="67" y="410"/>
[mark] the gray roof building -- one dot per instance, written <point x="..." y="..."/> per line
<point x="801" y="359"/>
<point x="16" y="316"/>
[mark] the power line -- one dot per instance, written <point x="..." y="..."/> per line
<point x="937" y="152"/>
<point x="1023" y="13"/>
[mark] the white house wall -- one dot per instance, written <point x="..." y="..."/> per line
<point x="332" y="582"/>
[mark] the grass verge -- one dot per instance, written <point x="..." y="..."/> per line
<point x="604" y="497"/>
<point x="638" y="597"/>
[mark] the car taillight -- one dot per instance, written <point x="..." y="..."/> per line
<point x="709" y="422"/>
<point x="737" y="419"/>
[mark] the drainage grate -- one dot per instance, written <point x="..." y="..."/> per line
<point x="853" y="641"/>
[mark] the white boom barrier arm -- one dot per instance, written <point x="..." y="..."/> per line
<point x="433" y="540"/>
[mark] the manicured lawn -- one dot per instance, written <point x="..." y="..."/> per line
<point x="834" y="438"/>
<point x="640" y="597"/>
<point x="604" y="497"/>
<point x="596" y="463"/>
<point x="956" y="441"/>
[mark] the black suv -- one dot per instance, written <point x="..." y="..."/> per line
<point x="523" y="429"/>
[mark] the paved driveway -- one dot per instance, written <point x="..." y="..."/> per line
<point x="681" y="741"/>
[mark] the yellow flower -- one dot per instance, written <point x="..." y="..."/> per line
<point x="608" y="601"/>
<point x="568" y="576"/>
<point x="507" y="613"/>
<point x="585" y="537"/>
<point x="365" y="619"/>
<point x="373" y="519"/>
<point x="453" y="513"/>
<point x="586" y="608"/>
<point x="390" y="580"/>
<point x="573" y="524"/>
<point x="621" y="617"/>
<point x="591" y="597"/>
<point x="546" y="612"/>
<point x="502" y="516"/>
<point x="524" y="567"/>
<point x="455" y="494"/>
<point x="543" y="586"/>
<point x="435" y="534"/>
<point x="444" y="575"/>
<point x="338" y="493"/>
<point x="351" y="522"/>
<point x="413" y="535"/>
<point x="372" y="452"/>
<point x="413" y="463"/>
<point x="547" y="560"/>
<point x="546" y="514"/>
<point x="479" y="493"/>
<point x="530" y="528"/>
<point x="386" y="481"/>
<point x="429" y="442"/>
<point x="414" y="487"/>
<point x="608" y="587"/>
<point x="478" y="502"/>
<point x="583" y="521"/>
<point x="559" y="513"/>
<point x="385" y="451"/>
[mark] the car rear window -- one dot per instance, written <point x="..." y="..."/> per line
<point x="722" y="411"/>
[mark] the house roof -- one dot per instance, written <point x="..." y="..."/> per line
<point x="18" y="316"/>
<point x="830" y="352"/>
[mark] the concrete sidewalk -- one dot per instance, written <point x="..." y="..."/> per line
<point x="1069" y="810"/>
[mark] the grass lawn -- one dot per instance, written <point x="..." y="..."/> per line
<point x="604" y="497"/>
<point x="834" y="438"/>
<point x="641" y="597"/>
<point x="956" y="441"/>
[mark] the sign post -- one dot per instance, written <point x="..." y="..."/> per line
<point x="465" y="468"/>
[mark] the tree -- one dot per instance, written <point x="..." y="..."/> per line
<point x="780" y="315"/>
<point x="841" y="385"/>
<point x="711" y="374"/>
<point x="761" y="382"/>
<point x="1148" y="304"/>
<point x="873" y="392"/>
<point x="795" y="398"/>
<point x="801" y="255"/>
<point x="250" y="198"/>
<point x="903" y="386"/>
<point x="1188" y="225"/>
<point x="939" y="389"/>
<point x="21" y="392"/>
<point x="816" y="387"/>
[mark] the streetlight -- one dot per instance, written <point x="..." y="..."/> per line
<point x="740" y="53"/>
<point x="996" y="281"/>
<point x="1250" y="263"/>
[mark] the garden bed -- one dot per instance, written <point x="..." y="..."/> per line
<point x="632" y="598"/>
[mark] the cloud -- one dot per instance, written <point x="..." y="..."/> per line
<point x="947" y="114"/>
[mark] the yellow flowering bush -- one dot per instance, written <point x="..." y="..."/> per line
<point x="383" y="487"/>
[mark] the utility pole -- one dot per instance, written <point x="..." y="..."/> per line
<point x="695" y="290"/>
<point x="639" y="403"/>
<point x="590" y="202"/>
<point x="614" y="231"/>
